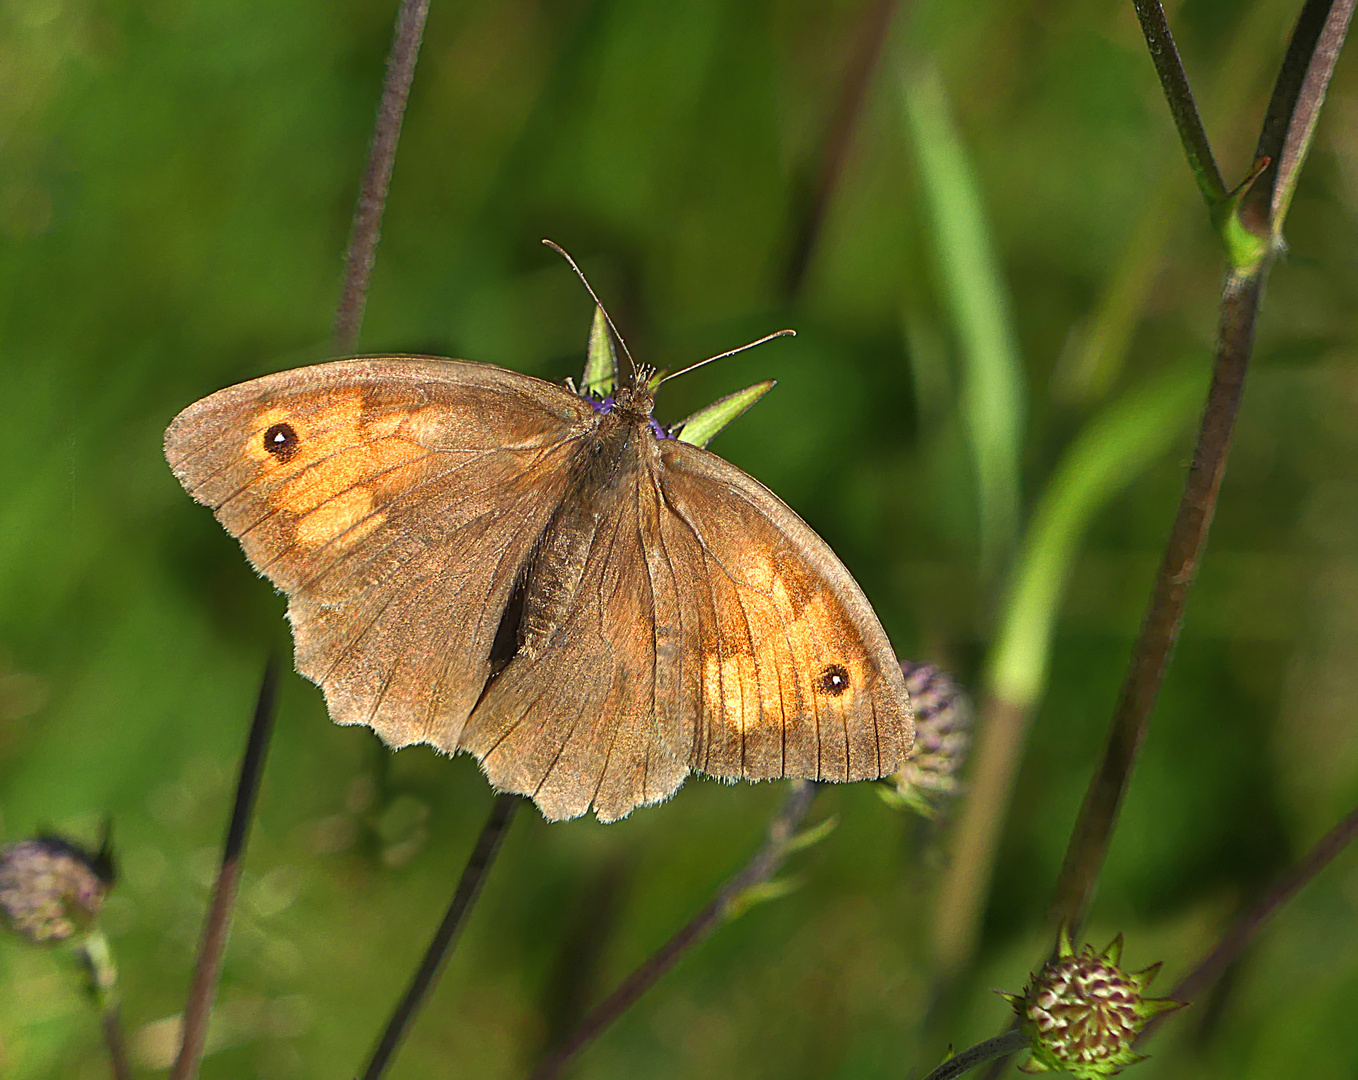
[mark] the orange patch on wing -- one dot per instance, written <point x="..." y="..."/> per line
<point x="331" y="483"/>
<point x="348" y="515"/>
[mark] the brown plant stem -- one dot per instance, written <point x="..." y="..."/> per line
<point x="1164" y="616"/>
<point x="838" y="139"/>
<point x="479" y="862"/>
<point x="366" y="230"/>
<point x="1285" y="135"/>
<point x="1247" y="927"/>
<point x="762" y="866"/>
<point x="1293" y="110"/>
<point x="217" y="925"/>
<point x="112" y="1024"/>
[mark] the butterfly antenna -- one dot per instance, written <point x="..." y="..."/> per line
<point x="589" y="289"/>
<point x="729" y="352"/>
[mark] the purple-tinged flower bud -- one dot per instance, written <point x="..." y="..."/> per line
<point x="52" y="890"/>
<point x="1081" y="1013"/>
<point x="929" y="779"/>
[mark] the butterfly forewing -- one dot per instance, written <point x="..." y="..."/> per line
<point x="394" y="501"/>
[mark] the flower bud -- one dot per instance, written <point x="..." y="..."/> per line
<point x="52" y="890"/>
<point x="929" y="779"/>
<point x="1081" y="1013"/>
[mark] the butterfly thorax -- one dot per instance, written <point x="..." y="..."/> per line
<point x="635" y="402"/>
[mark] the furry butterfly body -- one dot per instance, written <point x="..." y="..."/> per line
<point x="485" y="561"/>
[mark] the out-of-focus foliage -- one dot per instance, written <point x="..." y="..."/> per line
<point x="176" y="180"/>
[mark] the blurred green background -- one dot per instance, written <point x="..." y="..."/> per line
<point x="1012" y="250"/>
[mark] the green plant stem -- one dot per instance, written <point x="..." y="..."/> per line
<point x="95" y="954"/>
<point x="1247" y="927"/>
<point x="479" y="862"/>
<point x="1001" y="1046"/>
<point x="217" y="925"/>
<point x="727" y="901"/>
<point x="372" y="196"/>
<point x="1174" y="81"/>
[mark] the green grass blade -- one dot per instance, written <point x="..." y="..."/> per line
<point x="1109" y="453"/>
<point x="993" y="392"/>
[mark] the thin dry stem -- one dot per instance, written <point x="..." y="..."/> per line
<point x="838" y="140"/>
<point x="372" y="197"/>
<point x="1298" y="94"/>
<point x="1164" y="617"/>
<point x="217" y="926"/>
<point x="1248" y="926"/>
<point x="762" y="866"/>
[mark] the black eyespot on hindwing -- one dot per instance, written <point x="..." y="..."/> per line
<point x="834" y="680"/>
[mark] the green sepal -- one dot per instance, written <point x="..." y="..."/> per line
<point x="1143" y="977"/>
<point x="814" y="835"/>
<point x="1157" y="1007"/>
<point x="759" y="894"/>
<point x="1245" y="249"/>
<point x="906" y="797"/>
<point x="704" y="425"/>
<point x="601" y="363"/>
<point x="1113" y="954"/>
<point x="1034" y="1065"/>
<point x="1063" y="946"/>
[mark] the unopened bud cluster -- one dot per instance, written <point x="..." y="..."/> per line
<point x="1081" y="1013"/>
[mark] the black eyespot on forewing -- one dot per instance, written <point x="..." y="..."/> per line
<point x="834" y="680"/>
<point x="281" y="441"/>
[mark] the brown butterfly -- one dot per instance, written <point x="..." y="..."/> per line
<point x="484" y="561"/>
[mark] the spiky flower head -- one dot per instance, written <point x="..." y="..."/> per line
<point x="1082" y="1012"/>
<point x="929" y="779"/>
<point x="52" y="890"/>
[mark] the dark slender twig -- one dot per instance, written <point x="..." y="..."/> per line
<point x="1285" y="137"/>
<point x="1174" y="81"/>
<point x="1293" y="111"/>
<point x="372" y="196"/>
<point x="482" y="857"/>
<point x="1247" y="927"/>
<point x="1160" y="628"/>
<point x="834" y="148"/>
<point x="1001" y="1046"/>
<point x="762" y="866"/>
<point x="1297" y="97"/>
<point x="217" y="925"/>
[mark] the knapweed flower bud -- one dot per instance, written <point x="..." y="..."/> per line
<point x="51" y="890"/>
<point x="1081" y="1012"/>
<point x="942" y="736"/>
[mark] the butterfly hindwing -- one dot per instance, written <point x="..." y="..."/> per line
<point x="778" y="664"/>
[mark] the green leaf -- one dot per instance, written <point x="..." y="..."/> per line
<point x="993" y="392"/>
<point x="601" y="364"/>
<point x="1113" y="448"/>
<point x="704" y="425"/>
